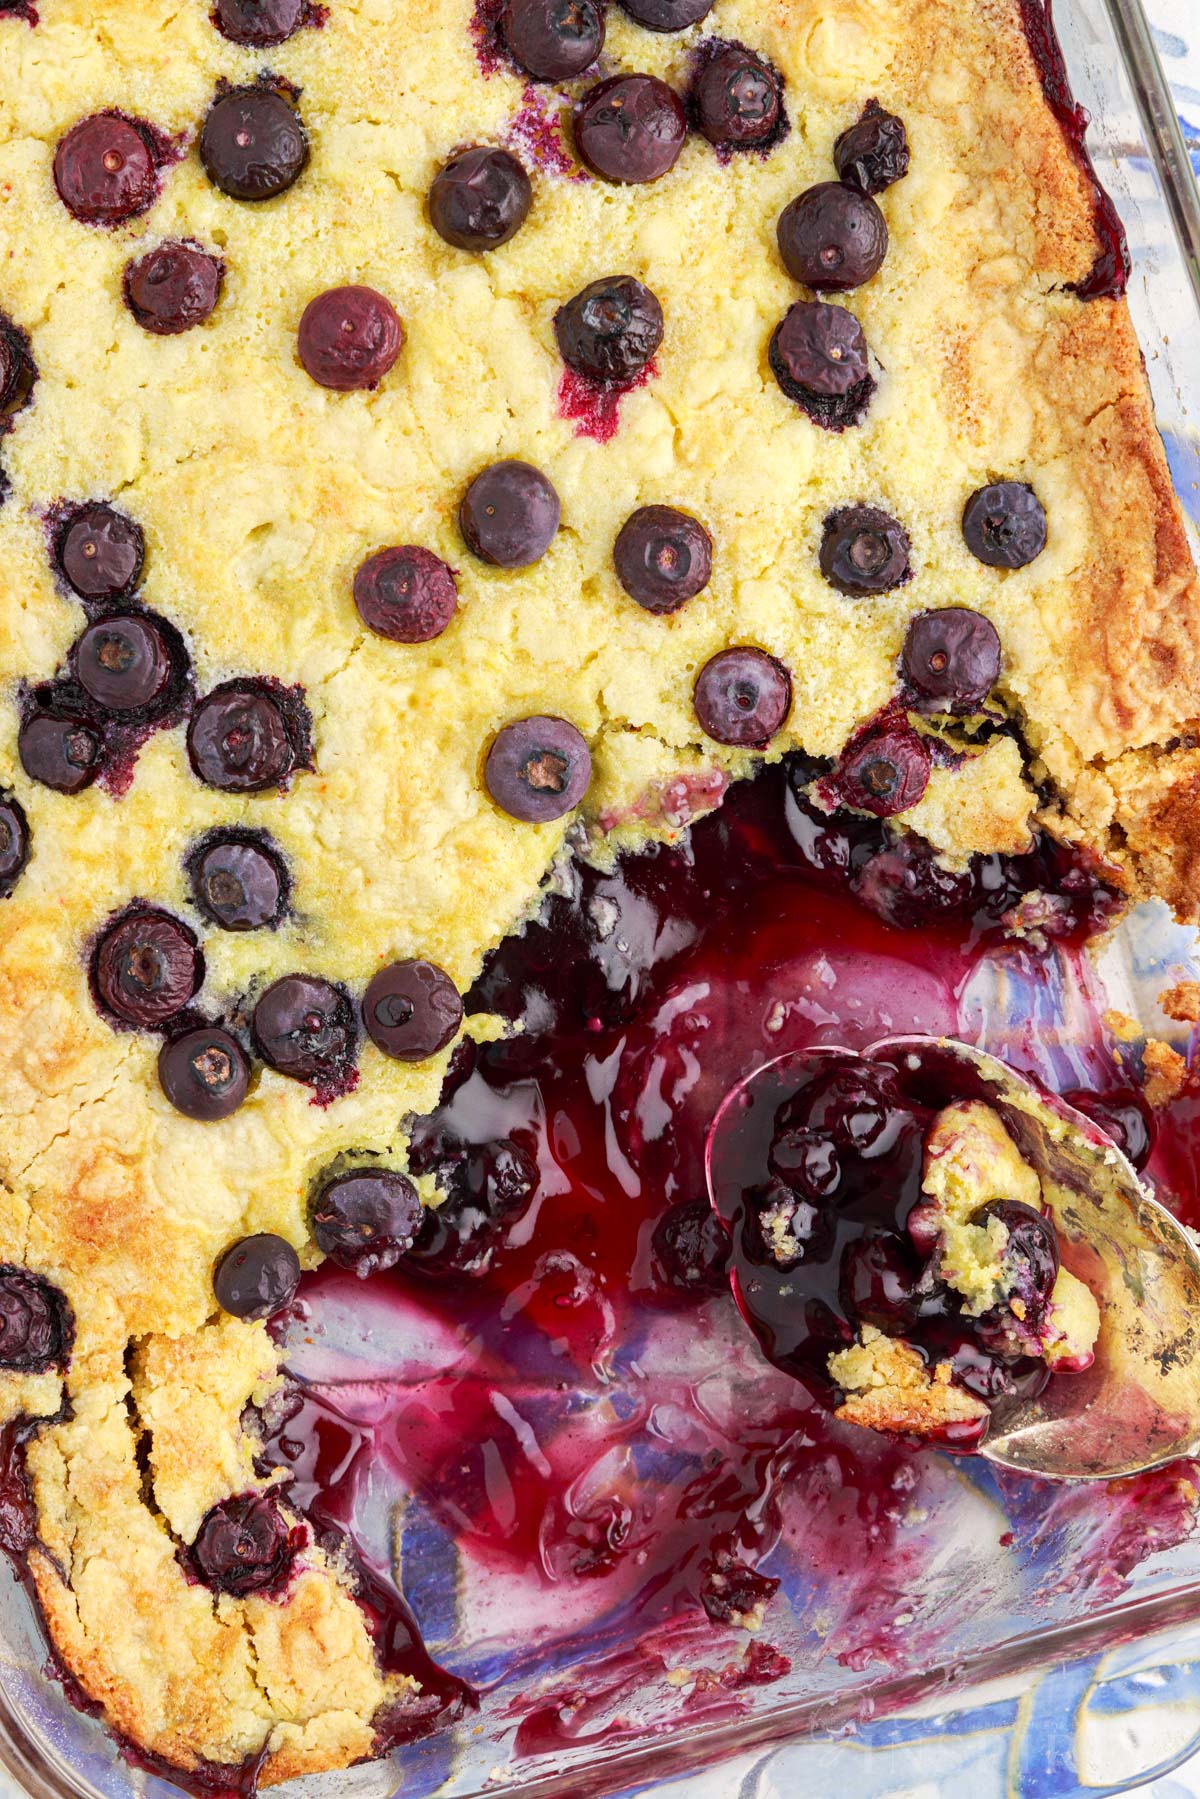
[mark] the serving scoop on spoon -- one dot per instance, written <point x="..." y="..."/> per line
<point x="1137" y="1405"/>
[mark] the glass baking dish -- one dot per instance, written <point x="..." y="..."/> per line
<point x="987" y="1577"/>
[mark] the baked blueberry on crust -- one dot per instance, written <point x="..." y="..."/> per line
<point x="359" y="649"/>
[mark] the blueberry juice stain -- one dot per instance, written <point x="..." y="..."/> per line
<point x="551" y="1404"/>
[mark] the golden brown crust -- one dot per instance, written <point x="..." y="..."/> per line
<point x="260" y="494"/>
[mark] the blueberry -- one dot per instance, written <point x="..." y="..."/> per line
<point x="807" y="1163"/>
<point x="105" y="171"/>
<point x="873" y="152"/>
<point x="884" y="770"/>
<point x="630" y="128"/>
<point x="832" y="238"/>
<point x="731" y="1592"/>
<point x="411" y="1010"/>
<point x="662" y="558"/>
<point x="100" y="552"/>
<point x="879" y="1281"/>
<point x="173" y="287"/>
<point x="610" y="330"/>
<point x="259" y="24"/>
<point x="367" y="1219"/>
<point x="742" y="697"/>
<point x="538" y="768"/>
<point x="864" y="551"/>
<point x="243" y="1546"/>
<point x="349" y="338"/>
<point x="667" y="15"/>
<point x="1004" y="524"/>
<point x="304" y="1028"/>
<point x="252" y="144"/>
<point x="204" y="1073"/>
<point x="854" y="1103"/>
<point x="951" y="659"/>
<point x="37" y="1329"/>
<point x="818" y="355"/>
<point x="64" y="753"/>
<point x="509" y="514"/>
<point x="257" y="1277"/>
<point x="553" y="40"/>
<point x="1030" y="1261"/>
<point x="14" y="842"/>
<point x="689" y="1250"/>
<point x="241" y="740"/>
<point x="486" y="1185"/>
<point x="480" y="197"/>
<point x="18" y="371"/>
<point x="406" y="594"/>
<point x="146" y="967"/>
<point x="1123" y="1115"/>
<point x="11" y="364"/>
<point x="239" y="883"/>
<point x="907" y="886"/>
<point x="737" y="99"/>
<point x="123" y="662"/>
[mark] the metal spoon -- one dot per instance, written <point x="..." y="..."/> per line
<point x="1138" y="1405"/>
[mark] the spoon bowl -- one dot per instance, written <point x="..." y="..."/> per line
<point x="1138" y="1405"/>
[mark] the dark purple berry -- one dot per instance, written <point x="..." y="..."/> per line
<point x="818" y="355"/>
<point x="1004" y="524"/>
<point x="244" y="1546"/>
<point x="36" y="1326"/>
<point x="662" y="557"/>
<point x="101" y="552"/>
<point x="854" y="1103"/>
<point x="538" y="769"/>
<point x="367" y="1219"/>
<point x="873" y="152"/>
<point x="105" y="171"/>
<point x="864" y="551"/>
<point x="732" y="1593"/>
<point x="205" y="1073"/>
<point x="509" y="514"/>
<point x="123" y="662"/>
<point x="737" y="99"/>
<point x="241" y="740"/>
<point x="832" y="238"/>
<point x="689" y="1250"/>
<point x="485" y="1187"/>
<point x="610" y="330"/>
<point x="807" y="1163"/>
<point x="252" y="144"/>
<point x="257" y="1277"/>
<point x="349" y="338"/>
<point x="630" y="128"/>
<point x="742" y="697"/>
<point x="553" y="40"/>
<point x="304" y="1027"/>
<point x="951" y="659"/>
<point x="259" y="24"/>
<point x="879" y="1281"/>
<point x="146" y="967"/>
<point x="1030" y="1256"/>
<point x="667" y="15"/>
<point x="411" y="1010"/>
<point x="173" y="287"/>
<point x="1123" y="1115"/>
<point x="63" y="753"/>
<point x="14" y="842"/>
<point x="884" y="770"/>
<point x="17" y="372"/>
<point x="238" y="883"/>
<point x="406" y="594"/>
<point x="907" y="886"/>
<point x="481" y="197"/>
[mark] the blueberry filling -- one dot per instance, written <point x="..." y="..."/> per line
<point x="630" y="128"/>
<point x="883" y="770"/>
<point x="349" y="338"/>
<point x="553" y="40"/>
<point x="253" y="144"/>
<point x="481" y="197"/>
<point x="145" y="968"/>
<point x="244" y="1545"/>
<point x="1122" y="1115"/>
<point x="611" y="330"/>
<point x="832" y="238"/>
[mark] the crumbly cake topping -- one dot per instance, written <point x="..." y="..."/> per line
<point x="388" y="486"/>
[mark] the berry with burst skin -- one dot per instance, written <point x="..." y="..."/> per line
<point x="873" y="152"/>
<point x="611" y="330"/>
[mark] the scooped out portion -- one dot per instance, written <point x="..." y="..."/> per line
<point x="894" y="1247"/>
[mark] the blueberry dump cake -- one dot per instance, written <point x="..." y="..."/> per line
<point x="491" y="494"/>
